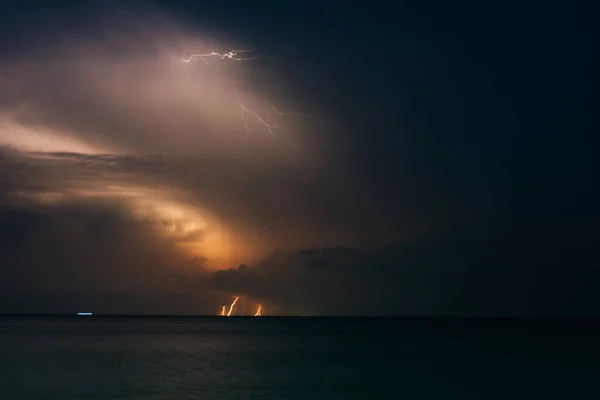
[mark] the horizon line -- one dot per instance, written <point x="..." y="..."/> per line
<point x="75" y="315"/>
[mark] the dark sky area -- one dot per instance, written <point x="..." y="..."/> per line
<point x="425" y="158"/>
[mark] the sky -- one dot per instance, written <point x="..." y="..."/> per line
<point x="411" y="159"/>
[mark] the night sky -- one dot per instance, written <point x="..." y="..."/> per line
<point x="435" y="158"/>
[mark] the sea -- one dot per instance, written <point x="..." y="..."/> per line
<point x="102" y="357"/>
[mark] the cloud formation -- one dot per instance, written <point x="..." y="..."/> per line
<point x="131" y="181"/>
<point x="121" y="164"/>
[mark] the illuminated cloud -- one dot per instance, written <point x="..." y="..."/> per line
<point x="42" y="139"/>
<point x="134" y="93"/>
<point x="127" y="165"/>
<point x="134" y="181"/>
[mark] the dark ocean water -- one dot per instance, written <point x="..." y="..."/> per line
<point x="297" y="358"/>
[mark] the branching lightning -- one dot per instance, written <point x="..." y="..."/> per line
<point x="273" y="129"/>
<point x="231" y="307"/>
<point x="258" y="314"/>
<point x="223" y="308"/>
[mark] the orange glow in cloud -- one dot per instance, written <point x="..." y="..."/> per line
<point x="231" y="307"/>
<point x="195" y="230"/>
<point x="137" y="103"/>
<point x="258" y="314"/>
<point x="191" y="227"/>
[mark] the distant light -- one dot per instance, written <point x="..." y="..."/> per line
<point x="84" y="313"/>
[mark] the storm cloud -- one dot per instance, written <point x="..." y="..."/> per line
<point x="314" y="179"/>
<point x="122" y="165"/>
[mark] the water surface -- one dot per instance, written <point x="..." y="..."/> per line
<point x="296" y="358"/>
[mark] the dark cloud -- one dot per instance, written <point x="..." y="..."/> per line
<point x="324" y="208"/>
<point x="57" y="238"/>
<point x="71" y="220"/>
<point x="503" y="277"/>
<point x="443" y="170"/>
<point x="88" y="248"/>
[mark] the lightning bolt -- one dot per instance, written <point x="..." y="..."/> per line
<point x="270" y="127"/>
<point x="258" y="314"/>
<point x="274" y="130"/>
<point x="232" y="55"/>
<point x="232" y="306"/>
<point x="223" y="310"/>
